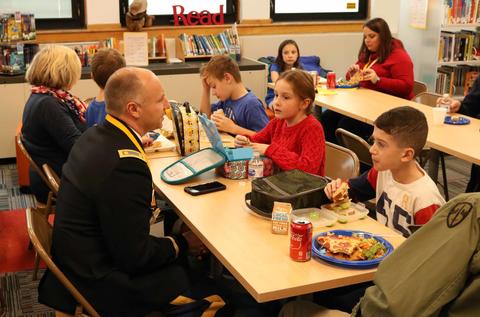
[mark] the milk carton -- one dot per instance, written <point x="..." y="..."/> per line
<point x="280" y="217"/>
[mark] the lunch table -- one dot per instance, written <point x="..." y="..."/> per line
<point x="366" y="105"/>
<point x="242" y="241"/>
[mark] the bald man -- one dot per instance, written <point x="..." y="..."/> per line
<point x="101" y="238"/>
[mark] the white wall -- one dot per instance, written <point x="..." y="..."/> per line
<point x="422" y="44"/>
<point x="389" y="10"/>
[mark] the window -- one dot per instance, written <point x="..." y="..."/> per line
<point x="50" y="14"/>
<point x="318" y="10"/>
<point x="163" y="10"/>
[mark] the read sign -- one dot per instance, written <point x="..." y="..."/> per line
<point x="193" y="18"/>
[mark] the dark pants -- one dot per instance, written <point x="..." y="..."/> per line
<point x="474" y="182"/>
<point x="332" y="120"/>
<point x="342" y="298"/>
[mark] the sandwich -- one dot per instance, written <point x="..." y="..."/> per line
<point x="341" y="203"/>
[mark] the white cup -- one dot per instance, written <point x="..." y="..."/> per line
<point x="439" y="114"/>
<point x="314" y="74"/>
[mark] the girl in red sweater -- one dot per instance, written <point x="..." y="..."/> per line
<point x="294" y="139"/>
<point x="383" y="65"/>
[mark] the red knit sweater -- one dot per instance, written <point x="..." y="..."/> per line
<point x="395" y="73"/>
<point x="301" y="146"/>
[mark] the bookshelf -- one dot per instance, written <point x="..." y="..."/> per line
<point x="184" y="54"/>
<point x="458" y="55"/>
<point x="446" y="54"/>
<point x="17" y="42"/>
<point x="204" y="46"/>
<point x="456" y="63"/>
<point x="16" y="56"/>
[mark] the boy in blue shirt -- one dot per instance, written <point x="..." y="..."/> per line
<point x="238" y="110"/>
<point x="104" y="63"/>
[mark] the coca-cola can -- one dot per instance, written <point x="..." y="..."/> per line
<point x="331" y="80"/>
<point x="301" y="239"/>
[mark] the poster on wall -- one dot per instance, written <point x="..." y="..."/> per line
<point x="135" y="48"/>
<point x="418" y="14"/>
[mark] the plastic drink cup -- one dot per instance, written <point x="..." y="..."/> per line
<point x="314" y="74"/>
<point x="439" y="114"/>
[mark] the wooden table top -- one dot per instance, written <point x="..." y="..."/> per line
<point x="366" y="105"/>
<point x="244" y="244"/>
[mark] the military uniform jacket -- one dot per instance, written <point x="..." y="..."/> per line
<point x="101" y="238"/>
<point x="435" y="271"/>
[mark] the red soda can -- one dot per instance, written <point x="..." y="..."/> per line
<point x="331" y="80"/>
<point x="301" y="239"/>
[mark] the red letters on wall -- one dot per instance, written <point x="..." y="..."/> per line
<point x="193" y="18"/>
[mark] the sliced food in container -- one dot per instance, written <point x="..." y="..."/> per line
<point x="318" y="217"/>
<point x="353" y="212"/>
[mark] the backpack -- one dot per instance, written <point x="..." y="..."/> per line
<point x="300" y="189"/>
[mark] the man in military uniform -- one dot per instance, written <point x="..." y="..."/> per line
<point x="101" y="238"/>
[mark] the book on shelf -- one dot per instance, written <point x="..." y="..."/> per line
<point x="458" y="46"/>
<point x="16" y="57"/>
<point x="156" y="47"/>
<point x="455" y="80"/>
<point x="460" y="12"/>
<point x="209" y="44"/>
<point x="17" y="27"/>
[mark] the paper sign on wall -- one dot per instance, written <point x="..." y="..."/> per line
<point x="418" y="14"/>
<point x="135" y="48"/>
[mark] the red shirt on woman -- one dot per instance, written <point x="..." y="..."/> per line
<point x="395" y="73"/>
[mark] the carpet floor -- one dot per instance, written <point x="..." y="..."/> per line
<point x="10" y="196"/>
<point x="19" y="295"/>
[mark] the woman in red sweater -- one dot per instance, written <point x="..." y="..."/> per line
<point x="294" y="139"/>
<point x="383" y="65"/>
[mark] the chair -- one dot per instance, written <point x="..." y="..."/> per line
<point x="40" y="233"/>
<point x="431" y="155"/>
<point x="22" y="163"/>
<point x="52" y="178"/>
<point x="427" y="98"/>
<point x="419" y="87"/>
<point x="43" y="209"/>
<point x="340" y="162"/>
<point x="355" y="143"/>
<point x="34" y="165"/>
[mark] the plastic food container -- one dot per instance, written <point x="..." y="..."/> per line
<point x="318" y="217"/>
<point x="359" y="212"/>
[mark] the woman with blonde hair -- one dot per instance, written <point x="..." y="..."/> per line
<point x="53" y="118"/>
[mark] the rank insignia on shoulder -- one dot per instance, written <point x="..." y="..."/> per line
<point x="131" y="154"/>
